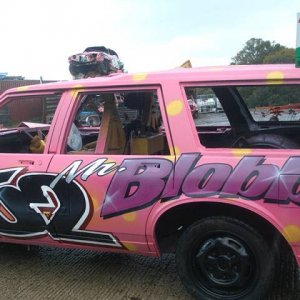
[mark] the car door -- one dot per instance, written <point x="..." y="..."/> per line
<point x="26" y="130"/>
<point x="255" y="137"/>
<point x="114" y="143"/>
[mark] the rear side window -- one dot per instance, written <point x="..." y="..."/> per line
<point x="258" y="116"/>
<point x="272" y="103"/>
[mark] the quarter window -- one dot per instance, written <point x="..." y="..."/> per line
<point x="25" y="122"/>
<point x="258" y="116"/>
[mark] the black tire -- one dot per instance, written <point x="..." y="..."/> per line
<point x="74" y="70"/>
<point x="271" y="141"/>
<point x="223" y="258"/>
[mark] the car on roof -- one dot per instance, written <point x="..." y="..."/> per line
<point x="118" y="163"/>
<point x="95" y="61"/>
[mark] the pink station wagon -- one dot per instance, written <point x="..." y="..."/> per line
<point x="118" y="163"/>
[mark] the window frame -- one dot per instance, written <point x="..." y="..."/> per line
<point x="252" y="123"/>
<point x="77" y="95"/>
<point x="35" y="94"/>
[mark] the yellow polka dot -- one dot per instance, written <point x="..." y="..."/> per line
<point x="241" y="152"/>
<point x="110" y="161"/>
<point x="77" y="86"/>
<point x="139" y="76"/>
<point x="130" y="247"/>
<point x="175" y="108"/>
<point x="275" y="77"/>
<point x="130" y="217"/>
<point x="75" y="92"/>
<point x="292" y="233"/>
<point x="22" y="88"/>
<point x="177" y="151"/>
<point x="229" y="198"/>
<point x="95" y="202"/>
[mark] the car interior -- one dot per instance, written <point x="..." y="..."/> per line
<point x="116" y="124"/>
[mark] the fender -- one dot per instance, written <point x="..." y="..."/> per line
<point x="159" y="209"/>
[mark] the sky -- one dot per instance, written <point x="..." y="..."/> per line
<point x="37" y="37"/>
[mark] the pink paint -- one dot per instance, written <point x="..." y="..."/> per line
<point x="81" y="200"/>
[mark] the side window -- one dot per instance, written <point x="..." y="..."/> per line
<point x="211" y="121"/>
<point x="272" y="103"/>
<point x="258" y="116"/>
<point x="117" y="123"/>
<point x="25" y="122"/>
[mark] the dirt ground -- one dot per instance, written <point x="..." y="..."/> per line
<point x="49" y="273"/>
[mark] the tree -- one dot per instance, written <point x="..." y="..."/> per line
<point x="255" y="51"/>
<point x="282" y="56"/>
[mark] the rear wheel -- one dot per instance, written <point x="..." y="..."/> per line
<point x="223" y="258"/>
<point x="271" y="141"/>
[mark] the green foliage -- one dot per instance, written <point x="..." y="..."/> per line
<point x="282" y="56"/>
<point x="255" y="51"/>
<point x="272" y="95"/>
<point x="258" y="51"/>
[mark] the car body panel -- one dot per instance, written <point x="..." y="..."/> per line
<point x="99" y="220"/>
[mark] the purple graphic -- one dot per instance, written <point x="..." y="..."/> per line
<point x="138" y="183"/>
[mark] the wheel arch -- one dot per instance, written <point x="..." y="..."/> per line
<point x="172" y="221"/>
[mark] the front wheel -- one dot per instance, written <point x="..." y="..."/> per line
<point x="223" y="258"/>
